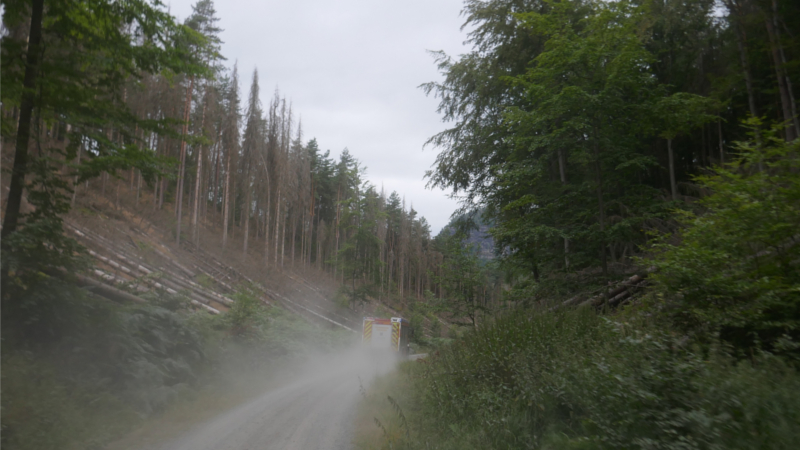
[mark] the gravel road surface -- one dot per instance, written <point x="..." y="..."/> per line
<point x="315" y="411"/>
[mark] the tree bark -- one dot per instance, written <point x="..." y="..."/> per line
<point x="277" y="222"/>
<point x="216" y="177"/>
<point x="246" y="213"/>
<point x="75" y="181"/>
<point x="741" y="43"/>
<point x="226" y="201"/>
<point x="792" y="102"/>
<point x="294" y="235"/>
<point x="283" y="237"/>
<point x="563" y="173"/>
<point x="179" y="196"/>
<point x="336" y="248"/>
<point x="785" y="95"/>
<point x="20" y="167"/>
<point x="106" y="291"/>
<point x="197" y="182"/>
<point x="601" y="206"/>
<point x="672" y="184"/>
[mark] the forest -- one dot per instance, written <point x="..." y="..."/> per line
<point x="167" y="120"/>
<point x="637" y="165"/>
<point x="579" y="128"/>
<point x="115" y="110"/>
<point x="634" y="164"/>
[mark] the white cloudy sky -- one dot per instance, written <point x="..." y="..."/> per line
<point x="351" y="69"/>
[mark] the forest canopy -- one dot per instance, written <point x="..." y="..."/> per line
<point x="579" y="128"/>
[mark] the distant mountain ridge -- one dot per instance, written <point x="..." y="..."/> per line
<point x="478" y="235"/>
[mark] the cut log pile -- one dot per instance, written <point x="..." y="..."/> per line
<point x="116" y="264"/>
<point x="611" y="297"/>
<point x="120" y="273"/>
<point x="325" y="309"/>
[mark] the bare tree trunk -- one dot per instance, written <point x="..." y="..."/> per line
<point x="182" y="168"/>
<point x="672" y="184"/>
<point x="197" y="183"/>
<point x="216" y="178"/>
<point x="777" y="59"/>
<point x="20" y="168"/>
<point x="294" y="236"/>
<point x="563" y="173"/>
<point x="258" y="219"/>
<point x="401" y="278"/>
<point x="283" y="237"/>
<point x="226" y="200"/>
<point x="336" y="245"/>
<point x="156" y="188"/>
<point x="161" y="192"/>
<point x="741" y="41"/>
<point x="75" y="182"/>
<point x="206" y="188"/>
<point x="311" y="221"/>
<point x="246" y="219"/>
<point x="302" y="240"/>
<point x="277" y="222"/>
<point x="319" y="244"/>
<point x="266" y="229"/>
<point x="792" y="102"/>
<point x="601" y="206"/>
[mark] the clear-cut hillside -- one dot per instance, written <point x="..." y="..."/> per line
<point x="133" y="254"/>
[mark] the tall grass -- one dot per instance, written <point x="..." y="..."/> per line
<point x="573" y="379"/>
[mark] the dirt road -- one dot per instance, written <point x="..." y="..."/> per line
<point x="314" y="411"/>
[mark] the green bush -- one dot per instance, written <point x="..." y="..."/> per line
<point x="577" y="380"/>
<point x="417" y="321"/>
<point x="78" y="371"/>
<point x="734" y="269"/>
<point x="41" y="410"/>
<point x="436" y="326"/>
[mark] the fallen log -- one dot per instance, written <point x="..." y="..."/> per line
<point x="279" y="296"/>
<point x="618" y="298"/>
<point x="107" y="291"/>
<point x="573" y="301"/>
<point x="173" y="282"/>
<point x="599" y="299"/>
<point x="206" y="307"/>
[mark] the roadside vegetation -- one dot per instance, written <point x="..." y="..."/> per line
<point x="115" y="108"/>
<point x="595" y="141"/>
<point x="573" y="379"/>
<point x="80" y="371"/>
<point x="600" y="149"/>
<point x="707" y="358"/>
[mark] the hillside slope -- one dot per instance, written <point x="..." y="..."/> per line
<point x="133" y="252"/>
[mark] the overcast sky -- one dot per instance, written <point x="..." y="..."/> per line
<point x="351" y="69"/>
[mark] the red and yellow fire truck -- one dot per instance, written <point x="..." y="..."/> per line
<point x="387" y="334"/>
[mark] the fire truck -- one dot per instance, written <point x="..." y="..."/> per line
<point x="387" y="334"/>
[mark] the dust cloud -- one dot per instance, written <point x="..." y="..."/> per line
<point x="313" y="406"/>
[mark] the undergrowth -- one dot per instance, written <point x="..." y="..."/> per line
<point x="79" y="371"/>
<point x="574" y="379"/>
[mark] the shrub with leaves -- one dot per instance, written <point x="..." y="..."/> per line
<point x="736" y="267"/>
<point x="79" y="370"/>
<point x="573" y="379"/>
